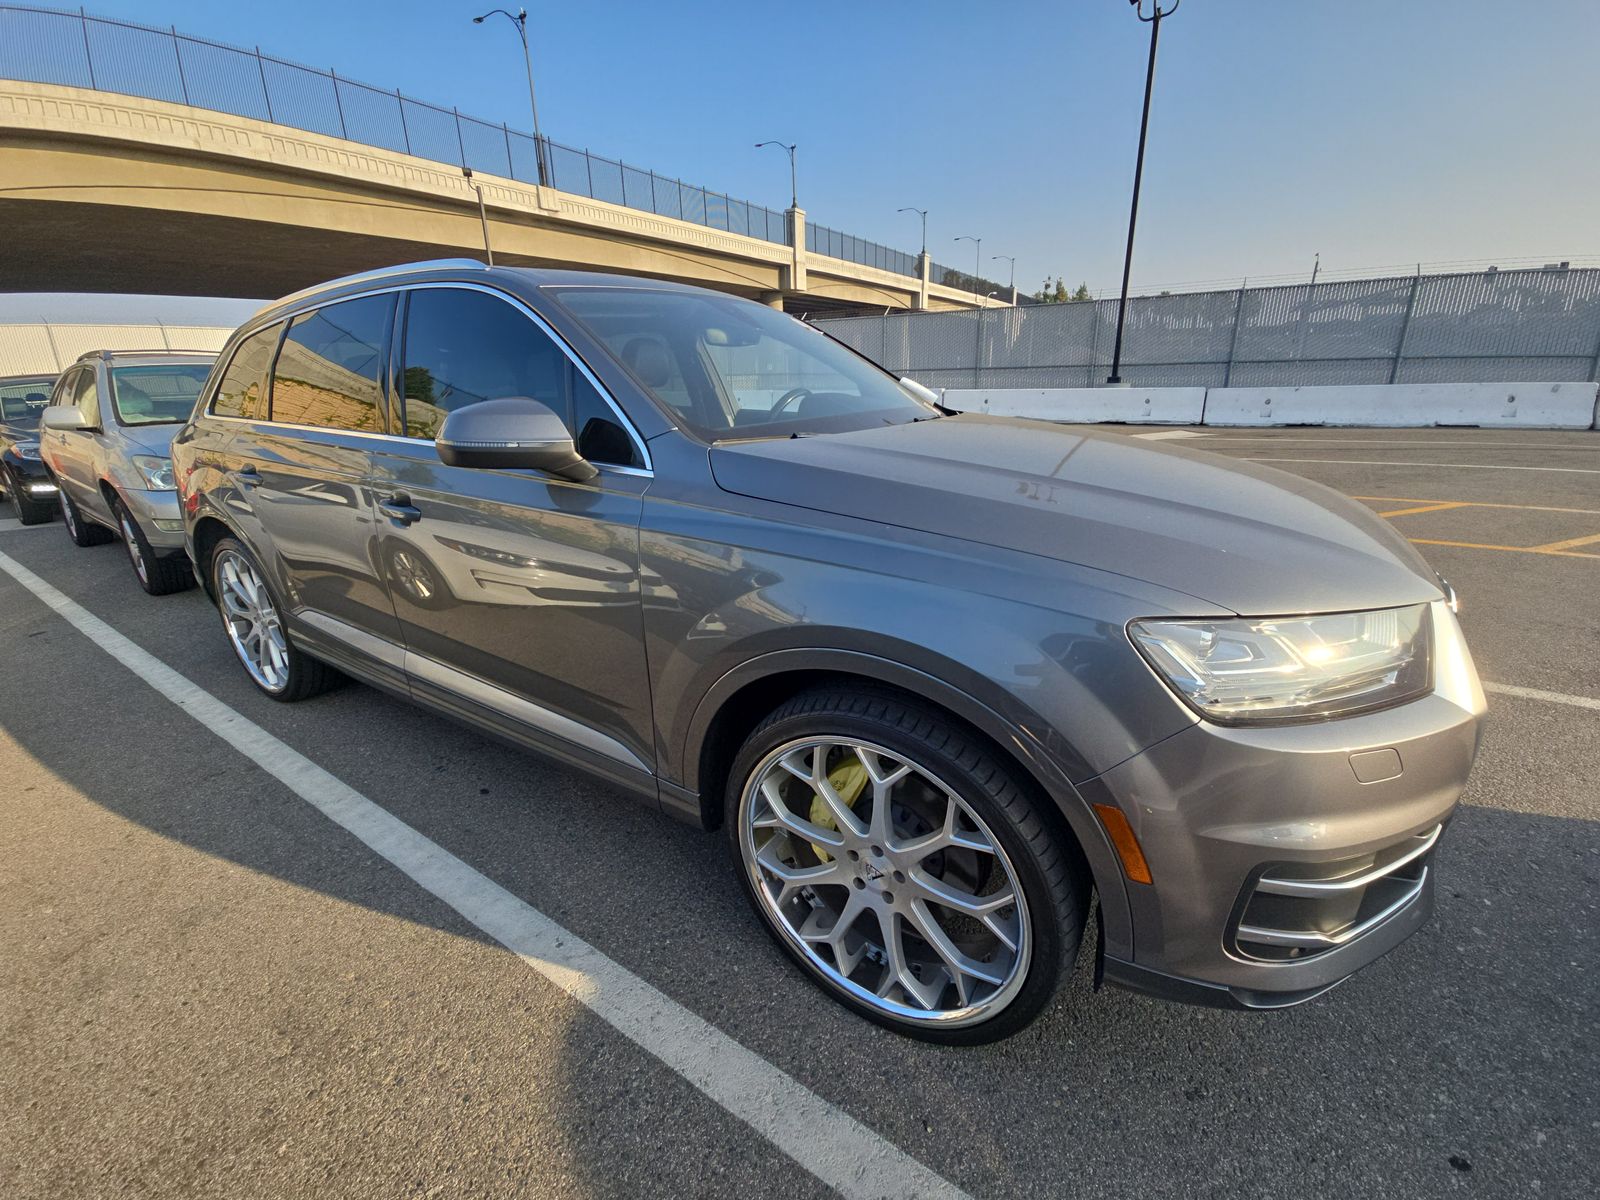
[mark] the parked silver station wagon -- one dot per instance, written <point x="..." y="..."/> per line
<point x="942" y="678"/>
<point x="106" y="438"/>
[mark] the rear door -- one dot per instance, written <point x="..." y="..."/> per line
<point x="517" y="593"/>
<point x="303" y="473"/>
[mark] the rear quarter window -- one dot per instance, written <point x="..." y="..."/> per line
<point x="241" y="391"/>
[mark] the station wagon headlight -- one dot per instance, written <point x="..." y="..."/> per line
<point x="157" y="472"/>
<point x="1292" y="668"/>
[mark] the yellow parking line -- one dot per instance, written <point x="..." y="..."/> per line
<point x="1511" y="549"/>
<point x="1422" y="508"/>
<point x="1591" y="512"/>
<point x="1552" y="547"/>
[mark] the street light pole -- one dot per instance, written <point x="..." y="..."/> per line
<point x="977" y="262"/>
<point x="1154" y="21"/>
<point x="483" y="214"/>
<point x="923" y="213"/>
<point x="1012" y="259"/>
<point x="521" y="22"/>
<point x="794" y="186"/>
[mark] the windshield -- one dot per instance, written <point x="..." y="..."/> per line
<point x="22" y="400"/>
<point x="157" y="395"/>
<point x="727" y="368"/>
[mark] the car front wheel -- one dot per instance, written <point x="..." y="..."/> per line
<point x="253" y="621"/>
<point x="903" y="866"/>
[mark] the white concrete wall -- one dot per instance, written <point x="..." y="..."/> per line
<point x="1152" y="406"/>
<point x="49" y="348"/>
<point x="1485" y="405"/>
<point x="1496" y="405"/>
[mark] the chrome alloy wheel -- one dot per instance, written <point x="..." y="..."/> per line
<point x="253" y="624"/>
<point x="886" y="881"/>
<point x="130" y="540"/>
<point x="68" y="517"/>
<point x="414" y="578"/>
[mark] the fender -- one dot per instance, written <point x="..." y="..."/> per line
<point x="1097" y="849"/>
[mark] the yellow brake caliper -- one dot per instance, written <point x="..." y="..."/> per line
<point x="848" y="779"/>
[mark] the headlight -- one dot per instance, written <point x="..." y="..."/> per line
<point x="157" y="472"/>
<point x="1292" y="668"/>
<point x="29" y="450"/>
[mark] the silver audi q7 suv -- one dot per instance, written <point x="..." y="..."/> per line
<point x="941" y="678"/>
<point x="105" y="438"/>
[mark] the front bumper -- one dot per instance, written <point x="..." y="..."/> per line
<point x="30" y="476"/>
<point x="1277" y="872"/>
<point x="160" y="516"/>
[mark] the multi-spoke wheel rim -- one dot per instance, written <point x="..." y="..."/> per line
<point x="413" y="576"/>
<point x="253" y="624"/>
<point x="67" y="518"/>
<point x="886" y="880"/>
<point x="134" y="553"/>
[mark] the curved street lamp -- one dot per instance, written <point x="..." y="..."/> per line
<point x="923" y="213"/>
<point x="794" y="187"/>
<point x="977" y="259"/>
<point x="521" y="22"/>
<point x="1012" y="259"/>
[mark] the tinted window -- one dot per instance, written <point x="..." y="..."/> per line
<point x="463" y="347"/>
<point x="330" y="370"/>
<point x="239" y="393"/>
<point x="85" y="397"/>
<point x="729" y="368"/>
<point x="157" y="395"/>
<point x="22" y="400"/>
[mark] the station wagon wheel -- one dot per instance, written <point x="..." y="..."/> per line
<point x="894" y="876"/>
<point x="254" y="624"/>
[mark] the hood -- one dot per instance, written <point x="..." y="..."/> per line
<point x="1251" y="539"/>
<point x="150" y="439"/>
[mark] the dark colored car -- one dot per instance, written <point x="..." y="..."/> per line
<point x="23" y="476"/>
<point x="106" y="438"/>
<point x="942" y="678"/>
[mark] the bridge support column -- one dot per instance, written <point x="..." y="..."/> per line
<point x="773" y="300"/>
<point x="925" y="276"/>
<point x="795" y="219"/>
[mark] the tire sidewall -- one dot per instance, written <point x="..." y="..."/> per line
<point x="1045" y="967"/>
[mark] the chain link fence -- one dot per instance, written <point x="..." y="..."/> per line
<point x="1524" y="326"/>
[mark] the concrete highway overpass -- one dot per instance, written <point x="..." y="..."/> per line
<point x="104" y="192"/>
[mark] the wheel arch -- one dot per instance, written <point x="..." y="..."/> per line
<point x="742" y="698"/>
<point x="204" y="534"/>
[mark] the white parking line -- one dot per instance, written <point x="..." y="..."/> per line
<point x="1363" y="462"/>
<point x="1164" y="434"/>
<point x="1407" y="443"/>
<point x="1506" y="689"/>
<point x="833" y="1146"/>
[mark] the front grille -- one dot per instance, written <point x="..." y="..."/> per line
<point x="1294" y="911"/>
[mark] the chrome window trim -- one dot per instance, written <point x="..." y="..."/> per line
<point x="287" y="316"/>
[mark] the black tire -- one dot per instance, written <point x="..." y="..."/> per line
<point x="1052" y="876"/>
<point x="156" y="575"/>
<point x="306" y="676"/>
<point x="80" y="529"/>
<point x="29" y="511"/>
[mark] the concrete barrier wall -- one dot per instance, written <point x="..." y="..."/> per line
<point x="1146" y="406"/>
<point x="1485" y="405"/>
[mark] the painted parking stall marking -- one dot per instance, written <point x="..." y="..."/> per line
<point x="819" y="1136"/>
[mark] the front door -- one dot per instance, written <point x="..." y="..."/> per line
<point x="517" y="593"/>
<point x="71" y="453"/>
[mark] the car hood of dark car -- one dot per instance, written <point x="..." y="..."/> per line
<point x="1251" y="539"/>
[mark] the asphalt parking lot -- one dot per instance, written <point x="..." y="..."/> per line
<point x="212" y="988"/>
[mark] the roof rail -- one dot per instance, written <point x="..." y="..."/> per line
<point x="105" y="352"/>
<point x="432" y="264"/>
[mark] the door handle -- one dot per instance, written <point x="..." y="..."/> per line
<point x="399" y="509"/>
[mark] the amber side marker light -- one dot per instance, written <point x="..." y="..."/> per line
<point x="1133" y="863"/>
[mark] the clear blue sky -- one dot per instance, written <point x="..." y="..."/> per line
<point x="1373" y="131"/>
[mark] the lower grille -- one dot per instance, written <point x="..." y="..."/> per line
<point x="1295" y="911"/>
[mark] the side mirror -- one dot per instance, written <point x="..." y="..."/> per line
<point x="921" y="391"/>
<point x="64" y="418"/>
<point x="514" y="433"/>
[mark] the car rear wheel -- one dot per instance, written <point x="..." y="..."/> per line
<point x="253" y="621"/>
<point x="156" y="575"/>
<point x="82" y="531"/>
<point x="903" y="866"/>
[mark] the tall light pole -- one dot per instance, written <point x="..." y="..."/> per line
<point x="521" y="22"/>
<point x="794" y="186"/>
<point x="1154" y="21"/>
<point x="1012" y="259"/>
<point x="977" y="259"/>
<point x="923" y="213"/>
